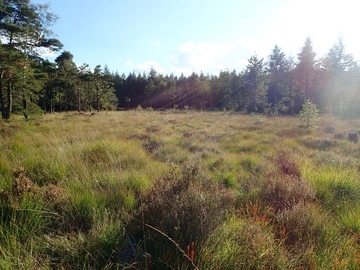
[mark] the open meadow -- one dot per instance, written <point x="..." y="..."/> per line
<point x="179" y="190"/>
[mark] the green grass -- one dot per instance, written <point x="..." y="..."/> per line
<point x="251" y="192"/>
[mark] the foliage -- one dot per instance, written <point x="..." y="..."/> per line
<point x="23" y="31"/>
<point x="309" y="115"/>
<point x="282" y="85"/>
<point x="181" y="198"/>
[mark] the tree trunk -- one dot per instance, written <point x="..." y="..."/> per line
<point x="97" y="101"/>
<point x="254" y="95"/>
<point x="79" y="99"/>
<point x="51" y="101"/>
<point x="9" y="100"/>
<point x="2" y="103"/>
<point x="60" y="101"/>
<point x="25" y="107"/>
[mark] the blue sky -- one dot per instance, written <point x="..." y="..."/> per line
<point x="198" y="35"/>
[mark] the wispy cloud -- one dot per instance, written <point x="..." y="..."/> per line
<point x="145" y="66"/>
<point x="208" y="57"/>
<point x="158" y="43"/>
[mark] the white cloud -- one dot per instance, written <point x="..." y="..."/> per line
<point x="42" y="51"/>
<point x="208" y="57"/>
<point x="45" y="53"/>
<point x="145" y="66"/>
<point x="158" y="43"/>
<point x="128" y="63"/>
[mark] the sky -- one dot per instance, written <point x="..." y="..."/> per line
<point x="185" y="36"/>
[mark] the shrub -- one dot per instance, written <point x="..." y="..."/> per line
<point x="323" y="145"/>
<point x="309" y="115"/>
<point x="284" y="187"/>
<point x="329" y="129"/>
<point x="284" y="191"/>
<point x="258" y="119"/>
<point x="301" y="225"/>
<point x="286" y="164"/>
<point x="186" y="206"/>
<point x="353" y="137"/>
<point x="339" y="136"/>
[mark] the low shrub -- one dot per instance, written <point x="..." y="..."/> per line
<point x="320" y="144"/>
<point x="284" y="191"/>
<point x="353" y="137"/>
<point x="329" y="129"/>
<point x="301" y="225"/>
<point x="284" y="187"/>
<point x="185" y="205"/>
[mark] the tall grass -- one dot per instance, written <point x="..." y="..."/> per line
<point x="139" y="189"/>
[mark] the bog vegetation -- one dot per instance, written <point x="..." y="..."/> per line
<point x="179" y="190"/>
<point x="164" y="184"/>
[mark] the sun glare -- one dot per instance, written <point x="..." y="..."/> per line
<point x="324" y="21"/>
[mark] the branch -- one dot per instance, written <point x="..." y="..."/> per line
<point x="176" y="244"/>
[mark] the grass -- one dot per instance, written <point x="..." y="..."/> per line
<point x="142" y="189"/>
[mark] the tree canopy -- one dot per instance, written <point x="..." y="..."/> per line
<point x="30" y="84"/>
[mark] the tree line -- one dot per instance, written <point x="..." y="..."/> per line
<point x="30" y="84"/>
<point x="278" y="84"/>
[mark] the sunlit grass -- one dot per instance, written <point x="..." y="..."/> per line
<point x="254" y="192"/>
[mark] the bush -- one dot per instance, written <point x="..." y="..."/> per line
<point x="187" y="207"/>
<point x="353" y="137"/>
<point x="309" y="115"/>
<point x="284" y="187"/>
<point x="301" y="225"/>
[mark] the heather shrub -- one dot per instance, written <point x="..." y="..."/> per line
<point x="329" y="129"/>
<point x="353" y="137"/>
<point x="187" y="206"/>
<point x="286" y="165"/>
<point x="320" y="144"/>
<point x="284" y="187"/>
<point x="285" y="191"/>
<point x="302" y="225"/>
<point x="339" y="136"/>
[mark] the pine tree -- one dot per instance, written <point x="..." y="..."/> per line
<point x="254" y="78"/>
<point x="343" y="72"/>
<point x="67" y="73"/>
<point x="23" y="31"/>
<point x="305" y="69"/>
<point x="105" y="97"/>
<point x="276" y="68"/>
